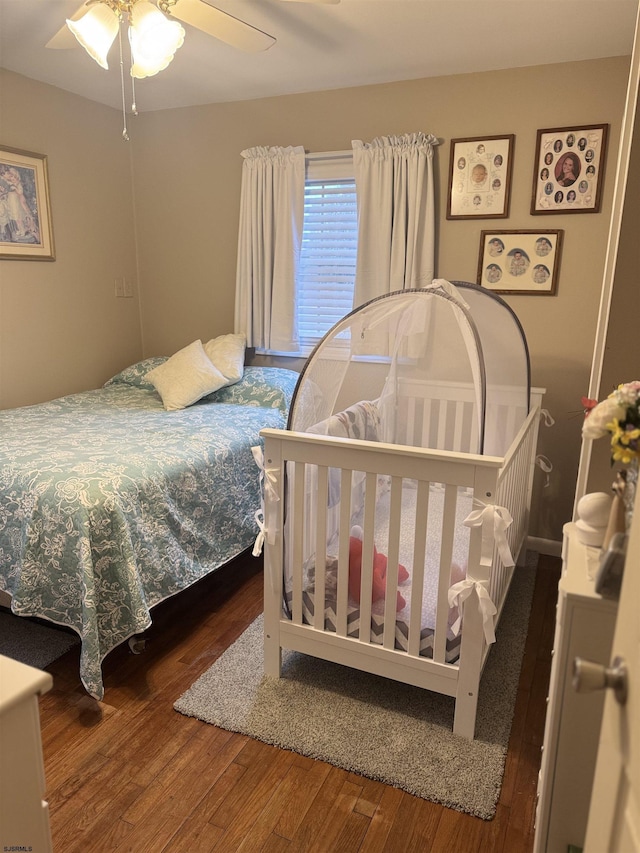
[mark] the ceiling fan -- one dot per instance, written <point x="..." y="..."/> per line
<point x="154" y="32"/>
<point x="197" y="13"/>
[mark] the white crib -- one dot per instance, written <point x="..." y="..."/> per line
<point x="502" y="481"/>
<point x="413" y="500"/>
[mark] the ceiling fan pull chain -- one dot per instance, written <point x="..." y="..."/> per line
<point x="125" y="135"/>
<point x="134" y="107"/>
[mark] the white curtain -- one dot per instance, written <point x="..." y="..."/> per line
<point x="396" y="216"/>
<point x="269" y="239"/>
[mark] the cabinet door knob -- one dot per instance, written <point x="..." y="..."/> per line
<point x="589" y="676"/>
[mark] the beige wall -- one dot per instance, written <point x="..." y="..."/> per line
<point x="621" y="361"/>
<point x="61" y="327"/>
<point x="63" y="318"/>
<point x="187" y="169"/>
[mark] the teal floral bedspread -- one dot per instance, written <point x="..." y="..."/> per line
<point x="109" y="504"/>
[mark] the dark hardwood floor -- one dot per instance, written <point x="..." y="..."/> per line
<point x="131" y="774"/>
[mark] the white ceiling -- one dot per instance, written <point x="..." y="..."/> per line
<point x="318" y="47"/>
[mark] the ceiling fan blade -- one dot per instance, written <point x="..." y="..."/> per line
<point x="326" y="2"/>
<point x="221" y="25"/>
<point x="64" y="39"/>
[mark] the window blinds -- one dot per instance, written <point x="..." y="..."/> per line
<point x="329" y="244"/>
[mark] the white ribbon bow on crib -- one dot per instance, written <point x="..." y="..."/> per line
<point x="546" y="417"/>
<point x="268" y="476"/>
<point x="268" y="484"/>
<point x="259" y="543"/>
<point x="459" y="593"/>
<point x="494" y="521"/>
<point x="544" y="463"/>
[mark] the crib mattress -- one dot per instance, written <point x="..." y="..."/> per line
<point x="430" y="585"/>
<point x="452" y="652"/>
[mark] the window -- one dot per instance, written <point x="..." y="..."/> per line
<point x="326" y="275"/>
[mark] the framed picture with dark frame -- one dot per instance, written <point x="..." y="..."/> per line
<point x="569" y="169"/>
<point x="480" y="177"/>
<point x="524" y="262"/>
<point x="26" y="231"/>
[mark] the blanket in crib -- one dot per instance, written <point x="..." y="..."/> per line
<point x="362" y="420"/>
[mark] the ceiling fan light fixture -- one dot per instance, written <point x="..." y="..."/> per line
<point x="154" y="39"/>
<point x="146" y="67"/>
<point x="96" y="32"/>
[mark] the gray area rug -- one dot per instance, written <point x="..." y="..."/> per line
<point x="381" y="729"/>
<point x="32" y="642"/>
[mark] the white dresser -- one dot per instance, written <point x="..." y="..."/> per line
<point x="24" y="813"/>
<point x="585" y="624"/>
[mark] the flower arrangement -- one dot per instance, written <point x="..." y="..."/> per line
<point x="619" y="417"/>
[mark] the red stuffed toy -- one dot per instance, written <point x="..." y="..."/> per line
<point x="379" y="581"/>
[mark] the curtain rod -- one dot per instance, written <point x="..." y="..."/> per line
<point x="326" y="155"/>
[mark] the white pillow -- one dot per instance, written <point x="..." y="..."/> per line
<point x="227" y="354"/>
<point x="186" y="377"/>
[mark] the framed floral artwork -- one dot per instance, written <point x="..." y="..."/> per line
<point x="569" y="169"/>
<point x="525" y="262"/>
<point x="480" y="177"/>
<point x="26" y="231"/>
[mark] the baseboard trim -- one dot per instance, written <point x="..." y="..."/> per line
<point x="551" y="547"/>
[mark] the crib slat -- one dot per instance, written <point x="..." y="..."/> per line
<point x="426" y="422"/>
<point x="321" y="548"/>
<point x="474" y="433"/>
<point x="342" y="591"/>
<point x="371" y="484"/>
<point x="513" y="497"/>
<point x="309" y="515"/>
<point x="417" y="572"/>
<point x="393" y="551"/>
<point x="467" y="418"/>
<point x="297" y="536"/>
<point x="511" y="429"/>
<point x="442" y="424"/>
<point x="494" y="429"/>
<point x="446" y="555"/>
<point x="457" y="430"/>
<point x="410" y="422"/>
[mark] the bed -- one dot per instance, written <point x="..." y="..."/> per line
<point x="393" y="521"/>
<point x="109" y="503"/>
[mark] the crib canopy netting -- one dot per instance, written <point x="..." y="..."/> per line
<point x="454" y="336"/>
<point x="396" y="501"/>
